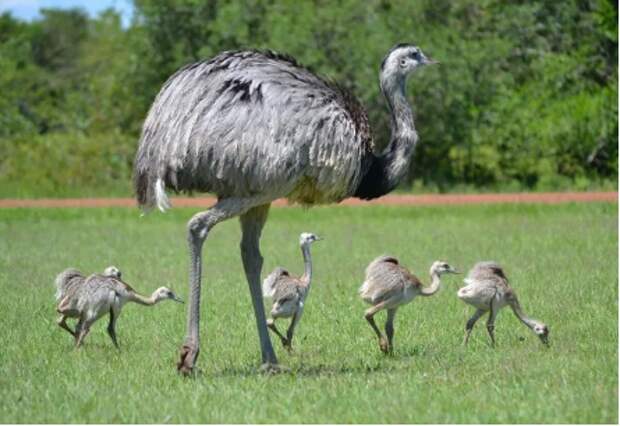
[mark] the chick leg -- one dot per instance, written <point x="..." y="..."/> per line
<point x="62" y="322"/>
<point x="491" y="322"/>
<point x="84" y="330"/>
<point x="272" y="326"/>
<point x="291" y="330"/>
<point x="389" y="329"/>
<point x="369" y="315"/>
<point x="470" y="324"/>
<point x="111" y="327"/>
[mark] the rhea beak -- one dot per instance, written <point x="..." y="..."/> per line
<point x="317" y="238"/>
<point x="454" y="271"/>
<point x="177" y="299"/>
<point x="429" y="61"/>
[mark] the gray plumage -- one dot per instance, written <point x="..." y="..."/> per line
<point x="388" y="285"/>
<point x="488" y="290"/>
<point x="270" y="282"/>
<point x="254" y="126"/>
<point x="69" y="282"/>
<point x="90" y="298"/>
<point x="288" y="293"/>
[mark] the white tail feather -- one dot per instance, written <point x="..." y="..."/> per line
<point x="269" y="283"/>
<point x="161" y="198"/>
<point x="63" y="279"/>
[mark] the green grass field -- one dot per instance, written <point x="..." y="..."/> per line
<point x="562" y="260"/>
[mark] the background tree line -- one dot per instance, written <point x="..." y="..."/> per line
<point x="526" y="96"/>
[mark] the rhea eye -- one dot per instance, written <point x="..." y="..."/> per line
<point x="403" y="62"/>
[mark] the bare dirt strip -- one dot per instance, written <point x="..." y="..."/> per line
<point x="394" y="199"/>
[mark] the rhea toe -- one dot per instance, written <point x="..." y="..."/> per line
<point x="88" y="298"/>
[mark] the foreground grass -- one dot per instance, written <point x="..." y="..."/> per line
<point x="561" y="259"/>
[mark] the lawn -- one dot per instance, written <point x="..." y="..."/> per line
<point x="562" y="260"/>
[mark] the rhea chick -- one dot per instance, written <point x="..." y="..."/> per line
<point x="488" y="290"/>
<point x="388" y="285"/>
<point x="289" y="293"/>
<point x="90" y="298"/>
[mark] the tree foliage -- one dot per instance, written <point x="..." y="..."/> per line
<point x="525" y="96"/>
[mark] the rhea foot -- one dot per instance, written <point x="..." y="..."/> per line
<point x="288" y="344"/>
<point x="186" y="364"/>
<point x="384" y="346"/>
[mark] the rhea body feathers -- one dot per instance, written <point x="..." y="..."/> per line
<point x="389" y="282"/>
<point x="215" y="121"/>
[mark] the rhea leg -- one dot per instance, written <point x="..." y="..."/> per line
<point x="111" y="327"/>
<point x="272" y="326"/>
<point x="470" y="324"/>
<point x="198" y="228"/>
<point x="491" y="321"/>
<point x="65" y="311"/>
<point x="62" y="322"/>
<point x="78" y="329"/>
<point x="389" y="328"/>
<point x="369" y="315"/>
<point x="252" y="224"/>
<point x="291" y="329"/>
<point x="84" y="327"/>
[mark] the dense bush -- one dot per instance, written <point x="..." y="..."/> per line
<point x="525" y="98"/>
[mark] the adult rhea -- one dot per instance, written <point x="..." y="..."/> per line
<point x="252" y="127"/>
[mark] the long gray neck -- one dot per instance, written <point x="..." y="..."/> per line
<point x="386" y="170"/>
<point x="143" y="300"/>
<point x="516" y="308"/>
<point x="434" y="287"/>
<point x="307" y="276"/>
<point x="397" y="155"/>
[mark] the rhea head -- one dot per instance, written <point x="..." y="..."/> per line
<point x="163" y="293"/>
<point x="542" y="331"/>
<point x="307" y="238"/>
<point x="402" y="60"/>
<point x="112" y="271"/>
<point x="440" y="267"/>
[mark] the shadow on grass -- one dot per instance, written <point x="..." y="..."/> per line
<point x="378" y="363"/>
<point x="303" y="371"/>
